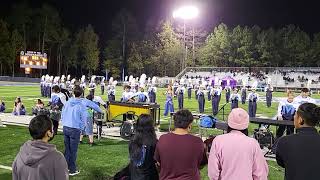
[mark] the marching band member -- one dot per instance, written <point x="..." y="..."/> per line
<point x="92" y="84"/>
<point x="228" y="92"/>
<point x="215" y="95"/>
<point x="169" y="101"/>
<point x="209" y="88"/>
<point x="2" y="106"/>
<point x="49" y="86"/>
<point x="180" y="93"/>
<point x="83" y="83"/>
<point x="42" y="85"/>
<point x="253" y="98"/>
<point x="56" y="81"/>
<point x="304" y="97"/>
<point x="189" y="88"/>
<point x="152" y="91"/>
<point x="201" y="99"/>
<point x="196" y="87"/>
<point x="235" y="98"/>
<point x="111" y="94"/>
<point x="57" y="101"/>
<point x="127" y="94"/>
<point x="286" y="111"/>
<point x="71" y="85"/>
<point x="112" y="91"/>
<point x="175" y="87"/>
<point x="268" y="91"/>
<point x="68" y="82"/>
<point x="102" y="86"/>
<point x="62" y="84"/>
<point x="143" y="97"/>
<point x="243" y="92"/>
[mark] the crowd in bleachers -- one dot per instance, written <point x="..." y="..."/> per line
<point x="279" y="78"/>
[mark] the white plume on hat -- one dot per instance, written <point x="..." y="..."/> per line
<point x="309" y="83"/>
<point x="143" y="78"/>
<point x="126" y="78"/>
<point x="68" y="77"/>
<point x="93" y="78"/>
<point x="254" y="85"/>
<point x="244" y="82"/>
<point x="111" y="80"/>
<point x="130" y="78"/>
<point x="83" y="78"/>
<point x="182" y="80"/>
<point x="154" y="79"/>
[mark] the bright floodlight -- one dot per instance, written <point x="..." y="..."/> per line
<point x="186" y="12"/>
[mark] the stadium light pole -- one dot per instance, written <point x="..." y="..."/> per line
<point x="186" y="13"/>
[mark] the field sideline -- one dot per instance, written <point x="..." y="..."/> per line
<point x="109" y="156"/>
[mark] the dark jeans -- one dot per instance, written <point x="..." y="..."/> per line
<point x="55" y="126"/>
<point x="71" y="141"/>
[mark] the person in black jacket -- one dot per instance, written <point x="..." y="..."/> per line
<point x="299" y="153"/>
<point x="141" y="150"/>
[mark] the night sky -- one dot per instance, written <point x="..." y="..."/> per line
<point x="265" y="13"/>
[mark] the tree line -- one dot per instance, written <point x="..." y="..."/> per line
<point x="42" y="30"/>
<point x="158" y="49"/>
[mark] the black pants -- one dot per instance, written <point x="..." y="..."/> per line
<point x="55" y="126"/>
<point x="282" y="128"/>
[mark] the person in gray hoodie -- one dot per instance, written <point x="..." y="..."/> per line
<point x="37" y="158"/>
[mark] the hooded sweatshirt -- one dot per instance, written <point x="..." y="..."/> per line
<point x="38" y="160"/>
<point x="74" y="114"/>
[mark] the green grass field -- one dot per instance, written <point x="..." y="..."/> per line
<point x="109" y="156"/>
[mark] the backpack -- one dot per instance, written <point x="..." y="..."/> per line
<point x="287" y="112"/>
<point x="207" y="121"/>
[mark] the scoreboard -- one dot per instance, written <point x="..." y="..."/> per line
<point x="33" y="60"/>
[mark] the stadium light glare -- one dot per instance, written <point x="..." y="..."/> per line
<point x="186" y="12"/>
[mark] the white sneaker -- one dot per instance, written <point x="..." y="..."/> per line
<point x="74" y="173"/>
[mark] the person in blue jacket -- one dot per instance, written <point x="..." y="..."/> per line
<point x="73" y="117"/>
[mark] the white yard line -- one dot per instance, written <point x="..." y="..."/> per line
<point x="6" y="167"/>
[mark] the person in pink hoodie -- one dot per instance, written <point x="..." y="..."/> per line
<point x="234" y="155"/>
